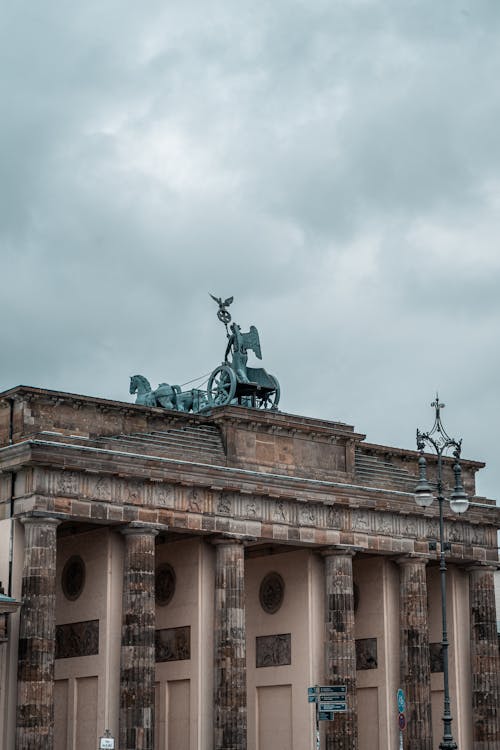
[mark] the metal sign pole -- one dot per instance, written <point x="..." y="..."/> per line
<point x="318" y="740"/>
<point x="328" y="699"/>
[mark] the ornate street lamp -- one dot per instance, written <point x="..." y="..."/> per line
<point x="438" y="439"/>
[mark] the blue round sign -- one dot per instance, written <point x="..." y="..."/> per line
<point x="401" y="701"/>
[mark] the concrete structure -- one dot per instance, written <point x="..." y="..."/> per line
<point x="185" y="578"/>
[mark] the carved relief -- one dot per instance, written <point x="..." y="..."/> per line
<point x="173" y="644"/>
<point x="477" y="535"/>
<point x="307" y="516"/>
<point x="360" y="520"/>
<point x="134" y="493"/>
<point x="384" y="523"/>
<point x="224" y="503"/>
<point x="273" y="650"/>
<point x="77" y="639"/>
<point x="164" y="495"/>
<point x="366" y="653"/>
<point x="436" y="654"/>
<point x="164" y="584"/>
<point x="280" y="511"/>
<point x="194" y="501"/>
<point x="73" y="578"/>
<point x="271" y="592"/>
<point x="68" y="483"/>
<point x="336" y="518"/>
<point x="431" y="529"/>
<point x="251" y="509"/>
<point x="409" y="526"/>
<point x="454" y="532"/>
<point x="102" y="489"/>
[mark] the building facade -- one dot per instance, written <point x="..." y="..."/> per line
<point x="185" y="578"/>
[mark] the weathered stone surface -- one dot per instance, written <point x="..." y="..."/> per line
<point x="340" y="649"/>
<point x="230" y="698"/>
<point x="35" y="712"/>
<point x="137" y="666"/>
<point x="485" y="660"/>
<point x="173" y="644"/>
<point x="273" y="650"/>
<point x="415" y="655"/>
<point x="436" y="654"/>
<point x="77" y="639"/>
<point x="366" y="654"/>
<point x="281" y="479"/>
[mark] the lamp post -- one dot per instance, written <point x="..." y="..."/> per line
<point x="440" y="441"/>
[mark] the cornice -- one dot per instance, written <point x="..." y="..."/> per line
<point x="133" y="466"/>
<point x="409" y="454"/>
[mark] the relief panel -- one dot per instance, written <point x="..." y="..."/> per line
<point x="366" y="653"/>
<point x="173" y="644"/>
<point x="436" y="654"/>
<point x="77" y="639"/>
<point x="273" y="650"/>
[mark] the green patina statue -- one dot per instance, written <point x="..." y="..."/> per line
<point x="233" y="382"/>
<point x="168" y="396"/>
<point x="239" y="343"/>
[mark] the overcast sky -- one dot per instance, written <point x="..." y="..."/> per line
<point x="333" y="164"/>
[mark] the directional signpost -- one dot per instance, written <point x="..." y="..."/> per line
<point x="329" y="700"/>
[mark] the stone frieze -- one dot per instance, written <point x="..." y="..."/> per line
<point x="238" y="507"/>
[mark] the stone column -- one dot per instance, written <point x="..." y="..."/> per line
<point x="37" y="634"/>
<point x="340" y="646"/>
<point x="485" y="659"/>
<point x="230" y="693"/>
<point x="414" y="652"/>
<point x="137" y="668"/>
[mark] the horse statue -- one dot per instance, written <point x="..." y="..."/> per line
<point x="168" y="396"/>
<point x="162" y="396"/>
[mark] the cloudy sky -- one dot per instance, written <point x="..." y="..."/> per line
<point x="333" y="164"/>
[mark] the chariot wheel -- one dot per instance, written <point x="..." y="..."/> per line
<point x="271" y="399"/>
<point x="221" y="388"/>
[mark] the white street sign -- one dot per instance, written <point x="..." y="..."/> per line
<point x="107" y="743"/>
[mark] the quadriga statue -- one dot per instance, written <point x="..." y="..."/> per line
<point x="167" y="396"/>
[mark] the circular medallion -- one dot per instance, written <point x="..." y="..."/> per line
<point x="73" y="577"/>
<point x="164" y="584"/>
<point x="271" y="593"/>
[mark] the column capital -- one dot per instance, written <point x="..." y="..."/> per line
<point x="335" y="551"/>
<point x="136" y="528"/>
<point x="411" y="558"/>
<point x="38" y="518"/>
<point x="484" y="567"/>
<point x="222" y="539"/>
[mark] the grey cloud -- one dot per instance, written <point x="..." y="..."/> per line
<point x="334" y="165"/>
